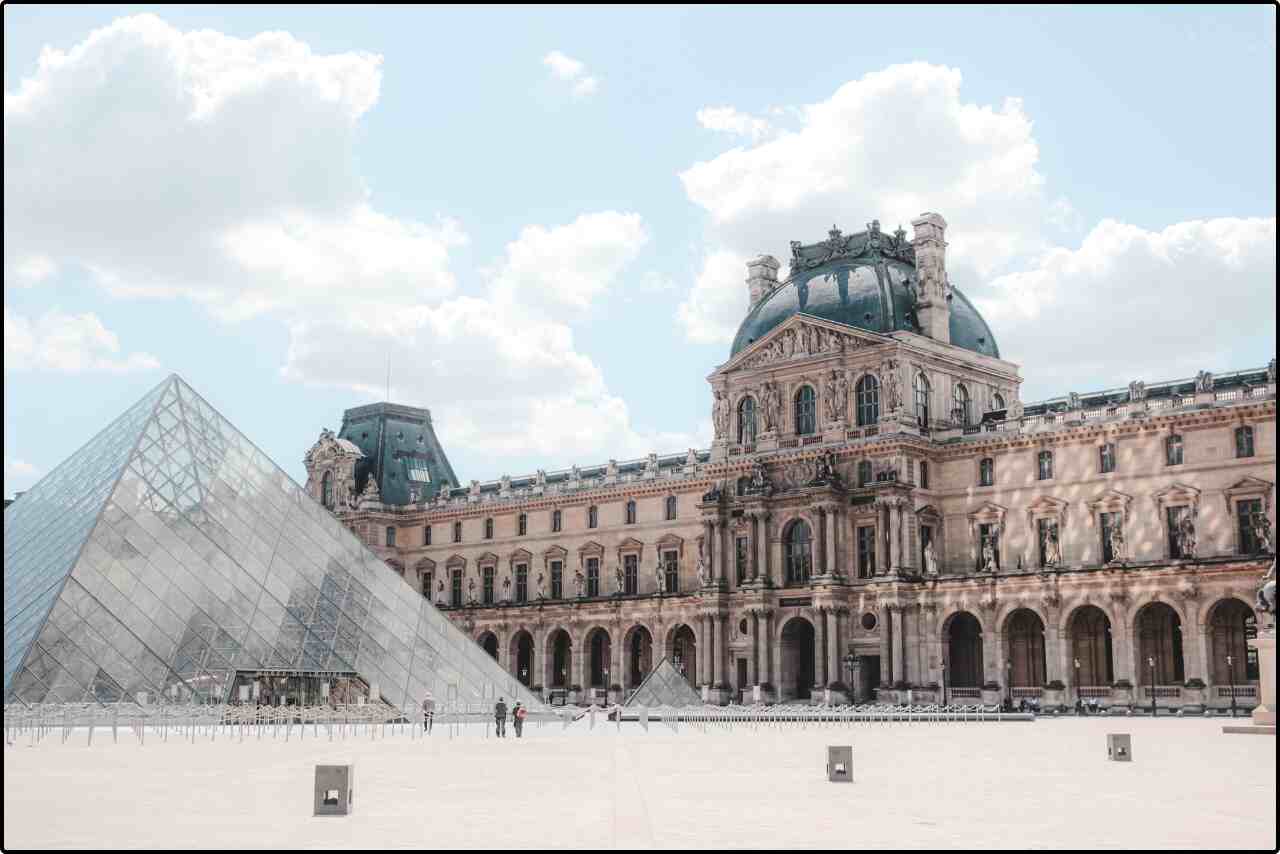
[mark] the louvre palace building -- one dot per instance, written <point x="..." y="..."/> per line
<point x="880" y="516"/>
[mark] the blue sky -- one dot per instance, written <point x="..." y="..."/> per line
<point x="542" y="216"/>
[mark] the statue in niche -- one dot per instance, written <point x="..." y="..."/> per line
<point x="1186" y="534"/>
<point x="1137" y="391"/>
<point x="1052" y="547"/>
<point x="989" y="555"/>
<point x="506" y="588"/>
<point x="1266" y="599"/>
<point x="619" y="581"/>
<point x="1262" y="532"/>
<point x="1014" y="412"/>
<point x="704" y="574"/>
<point x="889" y="379"/>
<point x="660" y="577"/>
<point x="842" y="396"/>
<point x="580" y="580"/>
<point x="440" y="592"/>
<point x="1117" y="544"/>
<point x="541" y="586"/>
<point x="771" y="400"/>
<point x="760" y="483"/>
<point x="930" y="559"/>
<point x="829" y="398"/>
<point x="471" y="590"/>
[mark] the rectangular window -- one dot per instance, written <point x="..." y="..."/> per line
<point x="426" y="535"/>
<point x="1173" y="451"/>
<point x="924" y="475"/>
<point x="457" y="532"/>
<point x="455" y="589"/>
<point x="866" y="551"/>
<point x="1107" y="522"/>
<point x="986" y="472"/>
<point x="1249" y="519"/>
<point x="631" y="574"/>
<point x="1172" y="519"/>
<point x="1244" y="441"/>
<point x="1045" y="465"/>
<point x="426" y="584"/>
<point x="740" y="558"/>
<point x="522" y="582"/>
<point x="1042" y="532"/>
<point x="593" y="517"/>
<point x="1107" y="458"/>
<point x="522" y="525"/>
<point x="593" y="576"/>
<point x="671" y="571"/>
<point x="555" y="520"/>
<point x="488" y="529"/>
<point x="557" y="579"/>
<point x="487" y="592"/>
<point x="391" y="536"/>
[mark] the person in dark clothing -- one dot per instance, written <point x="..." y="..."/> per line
<point x="428" y="712"/>
<point x="517" y="718"/>
<point x="500" y="717"/>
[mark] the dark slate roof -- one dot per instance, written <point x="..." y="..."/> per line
<point x="398" y="443"/>
<point x="866" y="280"/>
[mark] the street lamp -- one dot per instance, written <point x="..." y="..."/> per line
<point x="1231" y="675"/>
<point x="944" y="682"/>
<point x="1151" y="663"/>
<point x="1079" y="703"/>
<point x="849" y="661"/>
<point x="606" y="686"/>
<point x="1008" y="682"/>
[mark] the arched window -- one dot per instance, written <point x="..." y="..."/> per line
<point x="806" y="412"/>
<point x="744" y="483"/>
<point x="798" y="552"/>
<point x="868" y="394"/>
<point x="747" y="420"/>
<point x="593" y="516"/>
<point x="631" y="512"/>
<point x="997" y="402"/>
<point x="922" y="400"/>
<point x="488" y="529"/>
<point x="556" y="519"/>
<point x="960" y="404"/>
<point x="671" y="507"/>
<point x="391" y="536"/>
<point x="326" y="490"/>
<point x="1044" y="465"/>
<point x="1244" y="441"/>
<point x="522" y="524"/>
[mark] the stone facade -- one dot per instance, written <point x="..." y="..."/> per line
<point x="878" y="514"/>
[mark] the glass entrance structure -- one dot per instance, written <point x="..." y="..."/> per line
<point x="170" y="560"/>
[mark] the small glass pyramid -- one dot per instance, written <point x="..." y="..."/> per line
<point x="665" y="686"/>
<point x="170" y="560"/>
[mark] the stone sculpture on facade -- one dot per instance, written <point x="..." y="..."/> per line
<point x="760" y="484"/>
<point x="651" y="465"/>
<point x="1052" y="547"/>
<point x="371" y="495"/>
<point x="989" y="555"/>
<point x="440" y="592"/>
<point x="704" y="575"/>
<point x="1117" y="544"/>
<point x="691" y="458"/>
<point x="541" y="586"/>
<point x="930" y="559"/>
<point x="660" y="577"/>
<point x="581" y="581"/>
<point x="1262" y="532"/>
<point x="1204" y="382"/>
<point x="830" y="398"/>
<point x="1137" y="391"/>
<point x="506" y="588"/>
<point x="1266" y="599"/>
<point x="892" y="390"/>
<point x="1014" y="412"/>
<point x="771" y="406"/>
<point x="1186" y="535"/>
<point x="471" y="590"/>
<point x="619" y="582"/>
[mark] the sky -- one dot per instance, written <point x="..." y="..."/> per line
<point x="537" y="220"/>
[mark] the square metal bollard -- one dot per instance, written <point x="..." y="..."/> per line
<point x="1119" y="747"/>
<point x="840" y="764"/>
<point x="335" y="789"/>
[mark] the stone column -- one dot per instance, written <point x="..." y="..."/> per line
<point x="1195" y="659"/>
<point x="757" y="646"/>
<point x="820" y="650"/>
<point x="772" y="666"/>
<point x="1053" y="654"/>
<point x="1122" y="653"/>
<point x="899" y="643"/>
<point x="615" y="663"/>
<point x="885" y="626"/>
<point x="725" y="551"/>
<point x="895" y="537"/>
<point x="761" y="569"/>
<point x="1264" y="714"/>
<point x="717" y="642"/>
<point x="833" y="647"/>
<point x="709" y="551"/>
<point x="701" y="674"/>
<point x="829" y="518"/>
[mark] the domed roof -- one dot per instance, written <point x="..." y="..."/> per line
<point x="867" y="280"/>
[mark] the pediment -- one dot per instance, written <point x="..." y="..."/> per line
<point x="592" y="548"/>
<point x="928" y="510"/>
<point x="1176" y="493"/>
<point x="988" y="511"/>
<point x="803" y="337"/>
<point x="487" y="558"/>
<point x="630" y="544"/>
<point x="1047" y="504"/>
<point x="556" y="552"/>
<point x="521" y="554"/>
<point x="1111" y="498"/>
<point x="425" y="565"/>
<point x="1249" y="484"/>
<point x="456" y="561"/>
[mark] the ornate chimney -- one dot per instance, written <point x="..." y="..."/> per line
<point x="762" y="279"/>
<point x="934" y="310"/>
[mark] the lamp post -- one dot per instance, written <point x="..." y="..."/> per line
<point x="1079" y="703"/>
<point x="1151" y="663"/>
<point x="944" y="682"/>
<point x="1231" y="675"/>
<point x="606" y="686"/>
<point x="1008" y="682"/>
<point x="849" y="661"/>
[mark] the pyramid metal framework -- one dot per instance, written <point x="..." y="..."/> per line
<point x="168" y="554"/>
<point x="665" y="686"/>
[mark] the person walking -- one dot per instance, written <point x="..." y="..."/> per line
<point x="500" y="717"/>
<point x="428" y="712"/>
<point x="517" y="718"/>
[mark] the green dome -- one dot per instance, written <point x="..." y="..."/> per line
<point x="872" y="293"/>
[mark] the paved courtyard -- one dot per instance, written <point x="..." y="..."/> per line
<point x="1045" y="784"/>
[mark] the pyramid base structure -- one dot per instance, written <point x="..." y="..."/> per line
<point x="665" y="686"/>
<point x="170" y="561"/>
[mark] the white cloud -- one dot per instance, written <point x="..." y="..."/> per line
<point x="203" y="166"/>
<point x="713" y="309"/>
<point x="19" y="475"/>
<point x="569" y="265"/>
<point x="730" y="120"/>
<point x="1131" y="303"/>
<point x="66" y="343"/>
<point x="572" y="71"/>
<point x="500" y="371"/>
<point x="888" y="146"/>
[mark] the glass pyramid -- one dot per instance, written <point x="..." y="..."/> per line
<point x="665" y="686"/>
<point x="170" y="558"/>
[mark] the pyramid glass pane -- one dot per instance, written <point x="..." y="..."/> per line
<point x="665" y="686"/>
<point x="171" y="558"/>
